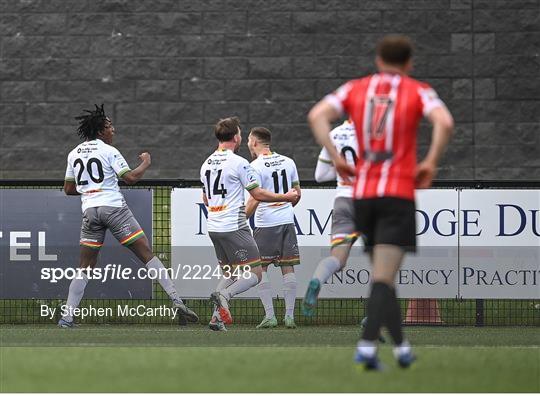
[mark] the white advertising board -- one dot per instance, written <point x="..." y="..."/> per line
<point x="471" y="244"/>
<point x="499" y="253"/>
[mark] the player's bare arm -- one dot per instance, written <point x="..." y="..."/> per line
<point x="205" y="199"/>
<point x="251" y="206"/>
<point x="136" y="174"/>
<point x="443" y="126"/>
<point x="320" y="118"/>
<point x="70" y="188"/>
<point x="260" y="194"/>
<point x="299" y="192"/>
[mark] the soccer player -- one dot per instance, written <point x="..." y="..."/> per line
<point x="275" y="233"/>
<point x="386" y="108"/>
<point x="343" y="228"/>
<point x="93" y="169"/>
<point x="224" y="176"/>
<point x="343" y="232"/>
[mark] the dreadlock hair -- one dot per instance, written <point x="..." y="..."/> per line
<point x="91" y="124"/>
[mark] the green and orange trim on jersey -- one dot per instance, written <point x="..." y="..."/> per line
<point x="325" y="161"/>
<point x="70" y="179"/>
<point x="252" y="186"/>
<point x="132" y="238"/>
<point x="295" y="183"/>
<point x="350" y="238"/>
<point x="217" y="208"/>
<point x="92" y="245"/>
<point x="123" y="172"/>
<point x="278" y="204"/>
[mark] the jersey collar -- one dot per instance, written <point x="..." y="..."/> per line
<point x="268" y="155"/>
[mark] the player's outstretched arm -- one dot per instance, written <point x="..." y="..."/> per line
<point x="443" y="126"/>
<point x="251" y="206"/>
<point x="136" y="174"/>
<point x="70" y="188"/>
<point x="262" y="195"/>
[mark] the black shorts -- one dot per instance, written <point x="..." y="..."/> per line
<point x="386" y="220"/>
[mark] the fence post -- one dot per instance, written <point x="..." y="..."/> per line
<point x="479" y="312"/>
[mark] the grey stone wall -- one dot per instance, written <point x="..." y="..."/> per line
<point x="168" y="69"/>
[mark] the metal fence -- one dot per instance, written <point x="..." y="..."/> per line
<point x="449" y="312"/>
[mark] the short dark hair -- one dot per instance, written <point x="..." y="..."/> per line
<point x="227" y="128"/>
<point x="262" y="134"/>
<point x="395" y="49"/>
<point x="92" y="123"/>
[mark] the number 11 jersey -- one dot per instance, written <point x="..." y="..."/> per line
<point x="224" y="176"/>
<point x="277" y="173"/>
<point x="94" y="166"/>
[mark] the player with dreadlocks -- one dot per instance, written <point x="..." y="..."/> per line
<point x="93" y="169"/>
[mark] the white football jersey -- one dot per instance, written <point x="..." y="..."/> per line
<point x="278" y="174"/>
<point x="224" y="176"/>
<point x="95" y="167"/>
<point x="344" y="139"/>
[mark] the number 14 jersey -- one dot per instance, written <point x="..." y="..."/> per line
<point x="94" y="166"/>
<point x="224" y="176"/>
<point x="277" y="173"/>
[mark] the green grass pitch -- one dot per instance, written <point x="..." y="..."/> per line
<point x="162" y="358"/>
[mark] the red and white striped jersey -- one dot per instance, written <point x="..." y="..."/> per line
<point x="386" y="110"/>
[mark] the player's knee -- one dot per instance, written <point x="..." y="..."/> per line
<point x="287" y="269"/>
<point x="87" y="264"/>
<point x="340" y="258"/>
<point x="142" y="250"/>
<point x="257" y="271"/>
<point x="289" y="280"/>
<point x="341" y="253"/>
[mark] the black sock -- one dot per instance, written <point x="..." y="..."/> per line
<point x="376" y="310"/>
<point x="393" y="318"/>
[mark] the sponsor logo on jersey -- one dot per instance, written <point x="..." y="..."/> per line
<point x="274" y="163"/>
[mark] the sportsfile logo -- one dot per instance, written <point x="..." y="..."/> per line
<point x="120" y="272"/>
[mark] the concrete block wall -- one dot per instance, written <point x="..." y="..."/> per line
<point x="167" y="70"/>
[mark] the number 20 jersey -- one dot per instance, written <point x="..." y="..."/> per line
<point x="344" y="139"/>
<point x="224" y="176"/>
<point x="94" y="166"/>
<point x="277" y="173"/>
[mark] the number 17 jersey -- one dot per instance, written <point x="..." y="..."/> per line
<point x="94" y="166"/>
<point x="224" y="176"/>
